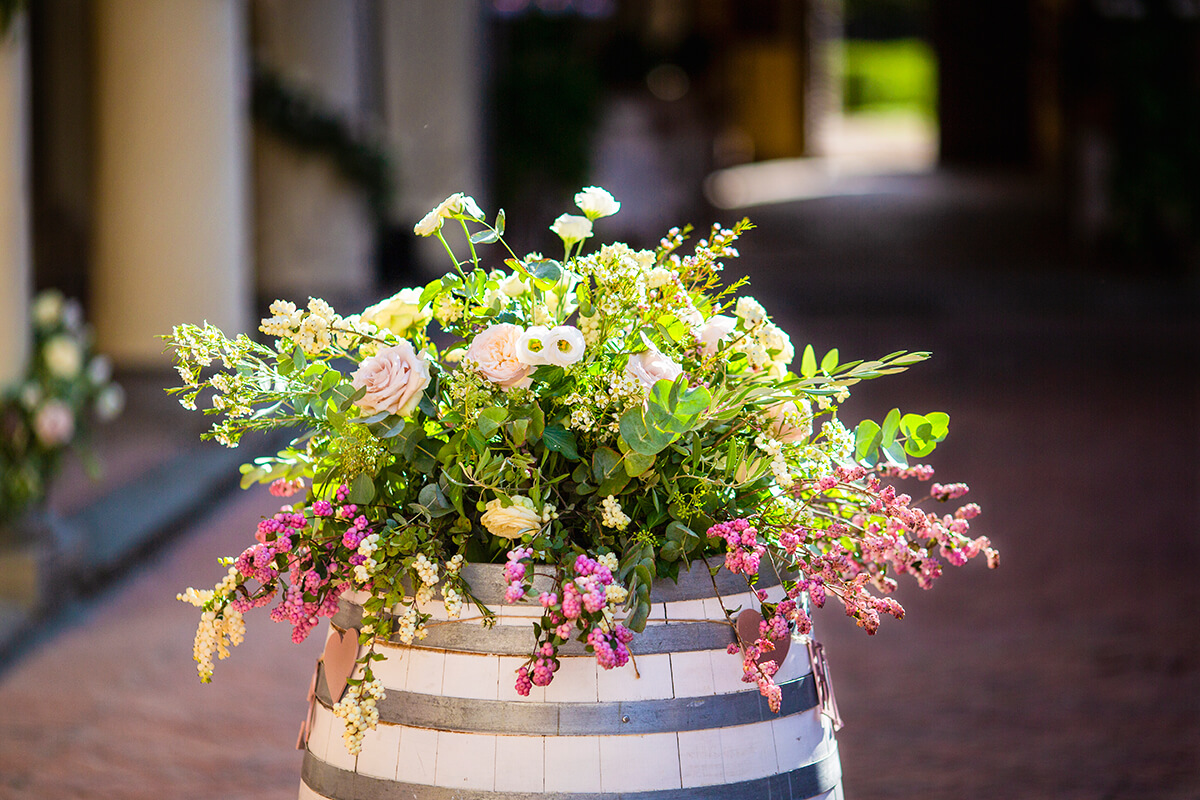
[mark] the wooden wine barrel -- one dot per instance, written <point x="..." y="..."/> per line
<point x="683" y="727"/>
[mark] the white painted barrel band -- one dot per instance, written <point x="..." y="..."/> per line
<point x="803" y="783"/>
<point x="470" y="715"/>
<point x="519" y="640"/>
<point x="487" y="583"/>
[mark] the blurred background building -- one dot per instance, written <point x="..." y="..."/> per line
<point x="189" y="160"/>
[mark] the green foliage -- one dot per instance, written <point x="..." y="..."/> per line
<point x="890" y="75"/>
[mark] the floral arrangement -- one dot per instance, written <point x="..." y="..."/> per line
<point x="611" y="416"/>
<point x="65" y="386"/>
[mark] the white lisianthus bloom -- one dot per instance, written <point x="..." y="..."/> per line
<point x="399" y="313"/>
<point x="714" y="331"/>
<point x="595" y="202"/>
<point x="572" y="228"/>
<point x="566" y="346"/>
<point x="510" y="522"/>
<point x="63" y="357"/>
<point x="651" y="366"/>
<point x="533" y="345"/>
<point x="457" y="203"/>
<point x="750" y="310"/>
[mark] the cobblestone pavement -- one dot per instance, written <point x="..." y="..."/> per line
<point x="1073" y="671"/>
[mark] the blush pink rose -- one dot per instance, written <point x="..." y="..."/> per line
<point x="394" y="378"/>
<point x="497" y="356"/>
<point x="651" y="366"/>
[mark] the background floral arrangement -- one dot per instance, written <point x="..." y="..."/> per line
<point x="609" y="418"/>
<point x="65" y="386"/>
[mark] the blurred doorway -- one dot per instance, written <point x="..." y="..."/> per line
<point x="885" y="66"/>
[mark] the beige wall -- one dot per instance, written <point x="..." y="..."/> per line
<point x="14" y="202"/>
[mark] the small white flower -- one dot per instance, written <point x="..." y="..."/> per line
<point x="110" y="402"/>
<point x="514" y="285"/>
<point x="99" y="370"/>
<point x="595" y="202"/>
<point x="750" y="310"/>
<point x="572" y="228"/>
<point x="457" y="203"/>
<point x="47" y="308"/>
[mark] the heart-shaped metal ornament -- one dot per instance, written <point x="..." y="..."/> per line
<point x="747" y="625"/>
<point x="341" y="651"/>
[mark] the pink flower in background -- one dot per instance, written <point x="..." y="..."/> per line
<point x="54" y="424"/>
<point x="497" y="356"/>
<point x="394" y="378"/>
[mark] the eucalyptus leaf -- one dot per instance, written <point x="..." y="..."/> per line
<point x="362" y="489"/>
<point x="561" y="440"/>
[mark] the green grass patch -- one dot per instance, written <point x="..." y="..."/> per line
<point x="890" y="75"/>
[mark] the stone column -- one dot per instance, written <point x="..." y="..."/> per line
<point x="170" y="195"/>
<point x="434" y="54"/>
<point x="313" y="232"/>
<point x="14" y="201"/>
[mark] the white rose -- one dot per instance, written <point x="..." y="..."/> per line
<point x="713" y="331"/>
<point x="595" y="202"/>
<point x="63" y="357"/>
<point x="54" y="423"/>
<point x="512" y="521"/>
<point x="495" y="354"/>
<point x="399" y="313"/>
<point x="457" y="203"/>
<point x="750" y="310"/>
<point x="394" y="378"/>
<point x="514" y="285"/>
<point x="572" y="228"/>
<point x="651" y="367"/>
<point x="791" y="422"/>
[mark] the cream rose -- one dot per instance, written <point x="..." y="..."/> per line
<point x="595" y="202"/>
<point x="572" y="228"/>
<point x="510" y="522"/>
<point x="497" y="358"/>
<point x="713" y="331"/>
<point x="399" y="313"/>
<point x="63" y="357"/>
<point x="651" y="366"/>
<point x="791" y="422"/>
<point x="394" y="378"/>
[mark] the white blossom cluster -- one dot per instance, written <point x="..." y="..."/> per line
<point x="317" y="329"/>
<point x="217" y="631"/>
<point x="779" y="465"/>
<point x="366" y="549"/>
<point x="359" y="712"/>
<point x="611" y="514"/>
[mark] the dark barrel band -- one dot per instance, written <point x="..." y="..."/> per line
<point x="532" y="718"/>
<point x="803" y="783"/>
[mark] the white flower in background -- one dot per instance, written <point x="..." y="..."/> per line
<point x="496" y="356"/>
<point x="510" y="522"/>
<point x="395" y="380"/>
<point x="715" y="330"/>
<point x="110" y="402"/>
<point x="99" y="370"/>
<point x="54" y="423"/>
<point x="457" y="203"/>
<point x="651" y="366"/>
<point x="595" y="202"/>
<point x="400" y="312"/>
<point x="72" y="315"/>
<point x="47" y="308"/>
<point x="750" y="311"/>
<point x="572" y="228"/>
<point x="64" y="359"/>
<point x="31" y="395"/>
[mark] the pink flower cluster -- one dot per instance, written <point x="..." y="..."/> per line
<point x="744" y="550"/>
<point x="578" y="604"/>
<point x="285" y="488"/>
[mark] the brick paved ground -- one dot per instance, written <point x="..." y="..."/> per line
<point x="1072" y="672"/>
